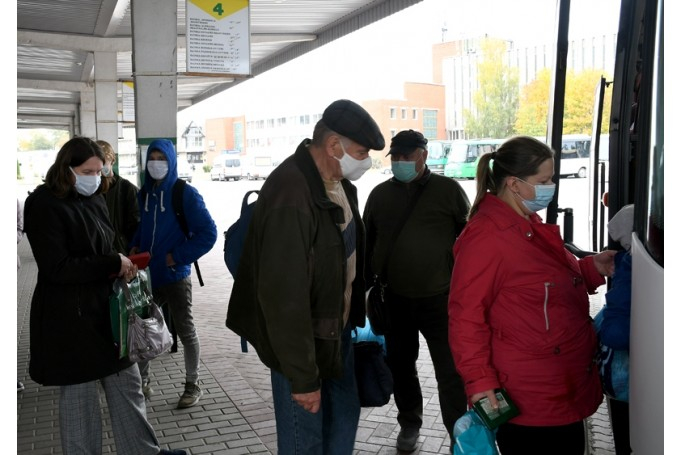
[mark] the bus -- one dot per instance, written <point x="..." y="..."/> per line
<point x="575" y="158"/>
<point x="630" y="171"/>
<point x="464" y="156"/>
<point x="575" y="155"/>
<point x="437" y="154"/>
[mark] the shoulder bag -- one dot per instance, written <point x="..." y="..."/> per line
<point x="377" y="306"/>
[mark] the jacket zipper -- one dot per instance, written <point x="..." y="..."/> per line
<point x="547" y="285"/>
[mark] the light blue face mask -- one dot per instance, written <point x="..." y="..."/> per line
<point x="405" y="171"/>
<point x="544" y="195"/>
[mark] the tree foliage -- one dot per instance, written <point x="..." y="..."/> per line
<point x="495" y="102"/>
<point x="579" y="101"/>
<point x="532" y="115"/>
<point x="41" y="139"/>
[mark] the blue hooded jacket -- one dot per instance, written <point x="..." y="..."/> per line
<point x="159" y="231"/>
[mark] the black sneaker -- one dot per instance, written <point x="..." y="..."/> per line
<point x="407" y="441"/>
<point x="192" y="393"/>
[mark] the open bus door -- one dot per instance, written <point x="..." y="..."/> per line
<point x="634" y="174"/>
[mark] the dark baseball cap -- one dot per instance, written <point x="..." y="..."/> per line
<point x="407" y="141"/>
<point x="348" y="119"/>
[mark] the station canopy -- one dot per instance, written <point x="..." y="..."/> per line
<point x="57" y="40"/>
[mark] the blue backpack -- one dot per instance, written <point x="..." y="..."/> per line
<point x="234" y="238"/>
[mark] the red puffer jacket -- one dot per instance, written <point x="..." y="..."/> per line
<point x="519" y="316"/>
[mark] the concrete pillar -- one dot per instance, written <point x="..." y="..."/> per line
<point x="88" y="123"/>
<point x="106" y="91"/>
<point x="154" y="63"/>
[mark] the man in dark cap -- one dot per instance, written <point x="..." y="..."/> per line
<point x="412" y="221"/>
<point x="300" y="284"/>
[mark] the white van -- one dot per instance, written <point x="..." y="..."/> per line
<point x="226" y="167"/>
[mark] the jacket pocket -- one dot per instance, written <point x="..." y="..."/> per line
<point x="326" y="328"/>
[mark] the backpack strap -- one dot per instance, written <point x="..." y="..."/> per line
<point x="178" y="206"/>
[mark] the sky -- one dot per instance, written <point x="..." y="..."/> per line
<point x="375" y="61"/>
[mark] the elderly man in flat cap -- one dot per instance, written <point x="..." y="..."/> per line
<point x="412" y="221"/>
<point x="300" y="285"/>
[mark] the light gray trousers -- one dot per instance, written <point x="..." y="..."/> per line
<point x="178" y="298"/>
<point x="80" y="419"/>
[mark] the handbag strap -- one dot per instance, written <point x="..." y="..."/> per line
<point x="402" y="222"/>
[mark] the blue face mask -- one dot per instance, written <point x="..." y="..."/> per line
<point x="544" y="195"/>
<point x="405" y="171"/>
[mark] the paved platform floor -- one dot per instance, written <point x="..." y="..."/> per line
<point x="235" y="415"/>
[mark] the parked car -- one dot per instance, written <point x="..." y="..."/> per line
<point x="184" y="170"/>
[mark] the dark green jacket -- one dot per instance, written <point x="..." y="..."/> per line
<point x="121" y="201"/>
<point x="421" y="259"/>
<point x="288" y="297"/>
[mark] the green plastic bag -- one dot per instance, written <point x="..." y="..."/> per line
<point x="126" y="297"/>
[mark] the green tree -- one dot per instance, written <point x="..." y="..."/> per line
<point x="495" y="102"/>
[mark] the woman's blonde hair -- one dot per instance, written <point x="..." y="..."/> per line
<point x="108" y="150"/>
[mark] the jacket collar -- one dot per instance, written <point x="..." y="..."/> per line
<point x="305" y="162"/>
<point x="504" y="216"/>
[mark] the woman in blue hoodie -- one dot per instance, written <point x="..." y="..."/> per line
<point x="172" y="253"/>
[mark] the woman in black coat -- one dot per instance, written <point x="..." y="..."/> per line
<point x="72" y="345"/>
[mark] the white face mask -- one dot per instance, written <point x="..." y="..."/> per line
<point x="351" y="167"/>
<point x="158" y="169"/>
<point x="87" y="185"/>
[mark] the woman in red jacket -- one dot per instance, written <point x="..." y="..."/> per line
<point x="518" y="307"/>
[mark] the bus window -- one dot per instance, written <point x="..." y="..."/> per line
<point x="464" y="157"/>
<point x="575" y="156"/>
<point x="437" y="155"/>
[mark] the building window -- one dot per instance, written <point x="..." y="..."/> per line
<point x="414" y="114"/>
<point x="403" y="113"/>
<point x="393" y="113"/>
<point x="429" y="123"/>
<point x="393" y="133"/>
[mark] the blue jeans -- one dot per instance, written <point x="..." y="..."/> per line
<point x="330" y="431"/>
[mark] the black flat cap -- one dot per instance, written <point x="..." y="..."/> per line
<point x="347" y="118"/>
<point x="406" y="141"/>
